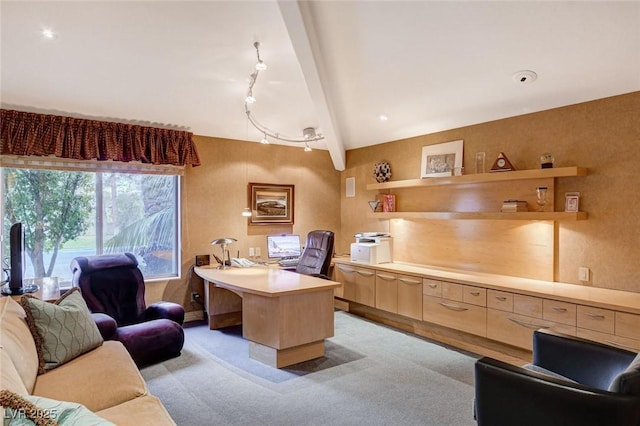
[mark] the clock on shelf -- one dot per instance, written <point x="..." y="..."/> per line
<point x="502" y="164"/>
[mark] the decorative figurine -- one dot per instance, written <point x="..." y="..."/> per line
<point x="546" y="160"/>
<point x="382" y="171"/>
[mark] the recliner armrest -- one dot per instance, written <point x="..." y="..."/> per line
<point x="167" y="310"/>
<point x="106" y="325"/>
<point x="509" y="395"/>
<point x="587" y="362"/>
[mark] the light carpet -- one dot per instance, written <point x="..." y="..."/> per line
<point x="370" y="374"/>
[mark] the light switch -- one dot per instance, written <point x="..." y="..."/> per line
<point x="583" y="273"/>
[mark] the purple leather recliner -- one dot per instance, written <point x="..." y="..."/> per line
<point x="113" y="286"/>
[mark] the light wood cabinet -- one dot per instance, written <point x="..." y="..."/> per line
<point x="399" y="294"/>
<point x="460" y="307"/>
<point x="596" y="319"/>
<point x="499" y="312"/>
<point x="515" y="326"/>
<point x="619" y="329"/>
<point x="358" y="284"/>
<point x="410" y="296"/>
<point x="517" y="329"/>
<point x="561" y="312"/>
<point x="387" y="292"/>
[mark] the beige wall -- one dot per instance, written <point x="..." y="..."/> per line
<point x="214" y="194"/>
<point x="603" y="136"/>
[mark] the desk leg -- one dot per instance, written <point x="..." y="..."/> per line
<point x="288" y="329"/>
<point x="224" y="307"/>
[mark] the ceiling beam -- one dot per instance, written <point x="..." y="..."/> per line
<point x="305" y="43"/>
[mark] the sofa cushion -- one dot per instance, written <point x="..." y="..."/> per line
<point x="26" y="410"/>
<point x="19" y="357"/>
<point x="628" y="381"/>
<point x="145" y="410"/>
<point x="62" y="330"/>
<point x="98" y="379"/>
<point x="542" y="370"/>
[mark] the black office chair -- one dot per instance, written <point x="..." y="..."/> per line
<point x="571" y="381"/>
<point x="316" y="257"/>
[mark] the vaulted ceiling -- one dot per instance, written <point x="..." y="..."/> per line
<point x="334" y="65"/>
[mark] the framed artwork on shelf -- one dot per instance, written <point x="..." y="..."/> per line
<point x="271" y="204"/>
<point x="572" y="202"/>
<point x="441" y="159"/>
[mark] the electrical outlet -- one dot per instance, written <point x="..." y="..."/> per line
<point x="257" y="251"/>
<point x="583" y="273"/>
<point x="195" y="296"/>
<point x="251" y="252"/>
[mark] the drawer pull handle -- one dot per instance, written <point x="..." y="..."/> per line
<point x="620" y="345"/>
<point x="501" y="298"/>
<point x="433" y="285"/>
<point x="346" y="270"/>
<point x="365" y="274"/>
<point x="474" y="293"/>
<point x="559" y="309"/>
<point x="526" y="324"/>
<point x="407" y="281"/>
<point x="594" y="316"/>
<point x="453" y="307"/>
<point x="386" y="277"/>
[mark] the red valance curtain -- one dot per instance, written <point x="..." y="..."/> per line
<point x="26" y="133"/>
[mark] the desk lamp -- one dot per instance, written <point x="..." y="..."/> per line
<point x="223" y="243"/>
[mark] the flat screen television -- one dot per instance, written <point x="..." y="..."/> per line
<point x="284" y="246"/>
<point x="17" y="263"/>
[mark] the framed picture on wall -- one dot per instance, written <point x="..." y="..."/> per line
<point x="271" y="204"/>
<point x="441" y="159"/>
<point x="572" y="202"/>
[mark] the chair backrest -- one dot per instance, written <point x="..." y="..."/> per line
<point x="111" y="284"/>
<point x="317" y="253"/>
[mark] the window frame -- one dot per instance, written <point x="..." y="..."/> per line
<point x="98" y="168"/>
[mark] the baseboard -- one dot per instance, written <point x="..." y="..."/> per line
<point x="193" y="316"/>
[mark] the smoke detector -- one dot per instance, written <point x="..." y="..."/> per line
<point x="525" y="77"/>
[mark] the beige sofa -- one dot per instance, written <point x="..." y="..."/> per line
<point x="105" y="379"/>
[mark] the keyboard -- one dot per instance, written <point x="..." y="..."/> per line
<point x="288" y="263"/>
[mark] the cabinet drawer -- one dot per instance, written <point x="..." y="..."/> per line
<point x="410" y="296"/>
<point x="474" y="295"/>
<point x="431" y="287"/>
<point x="561" y="312"/>
<point x="452" y="291"/>
<point x="500" y="300"/>
<point x="386" y="292"/>
<point x="517" y="330"/>
<point x="597" y="319"/>
<point x="610" y="339"/>
<point x="457" y="315"/>
<point x="527" y="305"/>
<point x="627" y="325"/>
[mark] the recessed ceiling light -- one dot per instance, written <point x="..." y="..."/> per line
<point x="524" y="77"/>
<point x="383" y="117"/>
<point x="48" y="34"/>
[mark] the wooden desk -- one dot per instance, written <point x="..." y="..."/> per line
<point x="285" y="315"/>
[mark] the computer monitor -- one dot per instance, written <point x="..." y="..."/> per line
<point x="283" y="246"/>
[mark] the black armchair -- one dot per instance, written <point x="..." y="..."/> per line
<point x="571" y="381"/>
<point x="113" y="287"/>
<point x="316" y="256"/>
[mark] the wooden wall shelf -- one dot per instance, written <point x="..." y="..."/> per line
<point x="557" y="216"/>
<point x="482" y="178"/>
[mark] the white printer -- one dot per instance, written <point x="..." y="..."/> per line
<point x="372" y="248"/>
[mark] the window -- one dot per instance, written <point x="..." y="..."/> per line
<point x="69" y="213"/>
